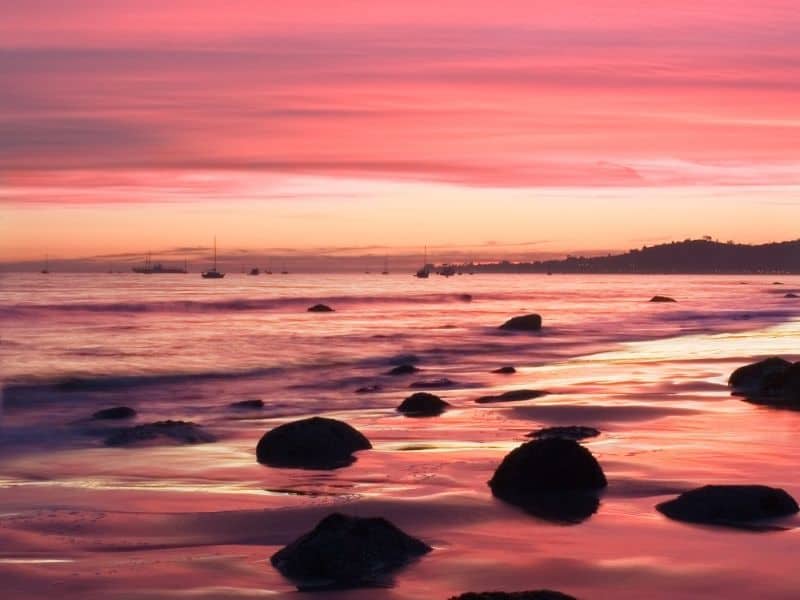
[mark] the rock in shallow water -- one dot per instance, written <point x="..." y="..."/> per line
<point x="442" y="382"/>
<point x="404" y="369"/>
<point x="553" y="478"/>
<point x="512" y="396"/>
<point x="315" y="443"/>
<point x="731" y="505"/>
<point x="117" y="412"/>
<point x="507" y="370"/>
<point x="532" y="595"/>
<point x="176" y="432"/>
<point x="423" y="404"/>
<point x="773" y="381"/>
<point x="662" y="299"/>
<point x="343" y="551"/>
<point x="320" y="308"/>
<point x="570" y="432"/>
<point x="255" y="404"/>
<point x="532" y="322"/>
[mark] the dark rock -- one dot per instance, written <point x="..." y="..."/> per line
<point x="369" y="389"/>
<point x="507" y="370"/>
<point x="465" y="297"/>
<point x="320" y="308"/>
<point x="422" y="404"/>
<point x="554" y="478"/>
<point x="751" y="377"/>
<point x="772" y="381"/>
<point x="791" y="295"/>
<point x="731" y="505"/>
<point x="118" y="412"/>
<point x="346" y="552"/>
<point x="532" y="322"/>
<point x="532" y="595"/>
<point x="512" y="396"/>
<point x="570" y="432"/>
<point x="662" y="299"/>
<point x="255" y="404"/>
<point x="404" y="369"/>
<point x="442" y="382"/>
<point x="181" y="432"/>
<point x="314" y="443"/>
<point x="777" y="283"/>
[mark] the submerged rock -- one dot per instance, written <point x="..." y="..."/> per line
<point x="369" y="389"/>
<point x="423" y="404"/>
<point x="314" y="443"/>
<point x="791" y="295"/>
<point x="507" y="370"/>
<point x="552" y="478"/>
<point x="181" y="432"/>
<point x="532" y="322"/>
<point x="254" y="404"/>
<point x="404" y="369"/>
<point x="117" y="412"/>
<point x="465" y="297"/>
<point x="731" y="505"/>
<point x="532" y="595"/>
<point x="512" y="396"/>
<point x="442" y="382"/>
<point x="773" y="381"/>
<point x="662" y="299"/>
<point x="345" y="552"/>
<point x="569" y="432"/>
<point x="320" y="308"/>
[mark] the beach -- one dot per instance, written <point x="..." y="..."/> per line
<point x="80" y="519"/>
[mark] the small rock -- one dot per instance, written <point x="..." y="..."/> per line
<point x="662" y="299"/>
<point x="570" y="432"/>
<point x="731" y="505"/>
<point x="181" y="432"/>
<point x="507" y="370"/>
<point x="791" y="295"/>
<point x="532" y="322"/>
<point x="404" y="369"/>
<point x="465" y="297"/>
<point x="315" y="443"/>
<point x="248" y="404"/>
<point x="320" y="308"/>
<point x="118" y="412"/>
<point x="512" y="396"/>
<point x="442" y="382"/>
<point x="423" y="404"/>
<point x="369" y="389"/>
<point x="347" y="552"/>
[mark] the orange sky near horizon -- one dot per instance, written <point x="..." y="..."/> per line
<point x="327" y="125"/>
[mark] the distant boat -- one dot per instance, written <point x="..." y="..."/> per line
<point x="46" y="269"/>
<point x="447" y="270"/>
<point x="213" y="273"/>
<point x="424" y="272"/>
<point x="255" y="271"/>
<point x="151" y="268"/>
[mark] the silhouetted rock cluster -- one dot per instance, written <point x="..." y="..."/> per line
<point x="422" y="404"/>
<point x="532" y="322"/>
<point x="178" y="432"/>
<point x="344" y="551"/>
<point x="772" y="381"/>
<point x="731" y="505"/>
<point x="314" y="443"/>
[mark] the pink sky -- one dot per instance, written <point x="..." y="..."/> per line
<point x="128" y="124"/>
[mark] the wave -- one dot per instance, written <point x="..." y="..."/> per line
<point x="233" y="304"/>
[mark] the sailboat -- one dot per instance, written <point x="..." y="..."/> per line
<point x="424" y="273"/>
<point x="46" y="269"/>
<point x="213" y="273"/>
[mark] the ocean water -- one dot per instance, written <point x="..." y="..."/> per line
<point x="84" y="520"/>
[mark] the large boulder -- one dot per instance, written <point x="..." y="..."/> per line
<point x="552" y="478"/>
<point x="532" y="595"/>
<point x="512" y="396"/>
<point x="314" y="443"/>
<point x="532" y="322"/>
<point x="772" y="381"/>
<point x="423" y="404"/>
<point x="160" y="432"/>
<point x="346" y="552"/>
<point x="116" y="412"/>
<point x="662" y="299"/>
<point x="731" y="505"/>
<point x="570" y="432"/>
<point x="320" y="308"/>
